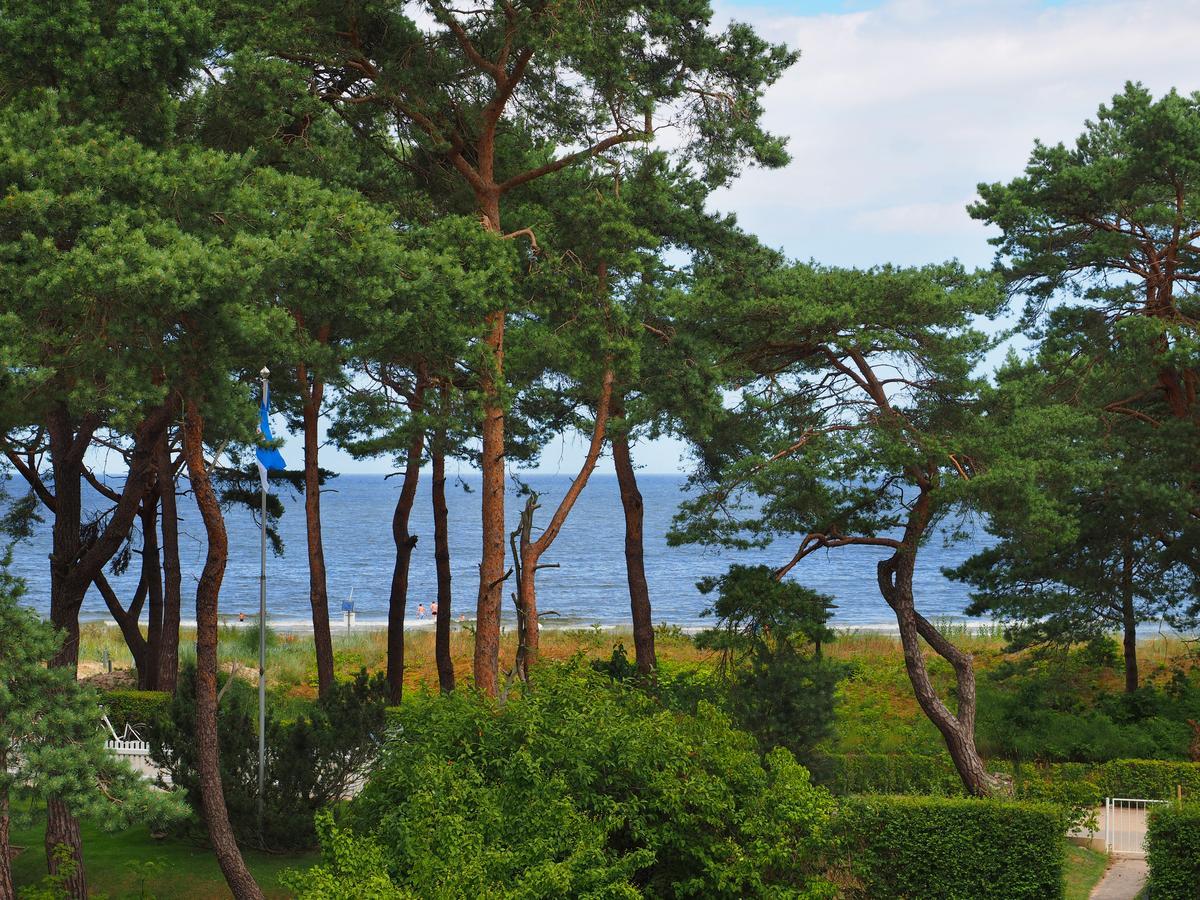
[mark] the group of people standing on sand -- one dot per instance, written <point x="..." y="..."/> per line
<point x="433" y="609"/>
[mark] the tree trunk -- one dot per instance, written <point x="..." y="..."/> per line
<point x="66" y="538"/>
<point x="168" y="651"/>
<point x="958" y="731"/>
<point x="896" y="584"/>
<point x="7" y="891"/>
<point x="405" y="542"/>
<point x="318" y="594"/>
<point x="528" y="552"/>
<point x="1129" y="621"/>
<point x="216" y="815"/>
<point x="525" y="564"/>
<point x="62" y="830"/>
<point x="65" y="599"/>
<point x="491" y="462"/>
<point x="441" y="556"/>
<point x="127" y="621"/>
<point x="152" y="575"/>
<point x="635" y="561"/>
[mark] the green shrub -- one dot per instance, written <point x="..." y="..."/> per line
<point x="579" y="785"/>
<point x="140" y="709"/>
<point x="311" y="761"/>
<point x="1173" y="845"/>
<point x="957" y="849"/>
<point x="769" y="633"/>
<point x="892" y="773"/>
<point x="1148" y="779"/>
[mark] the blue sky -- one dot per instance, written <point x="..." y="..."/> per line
<point x="898" y="108"/>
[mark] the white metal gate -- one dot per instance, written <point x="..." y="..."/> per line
<point x="1125" y="825"/>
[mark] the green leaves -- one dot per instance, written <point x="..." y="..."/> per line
<point x="627" y="797"/>
<point x="855" y="388"/>
<point x="52" y="742"/>
<point x="1121" y="206"/>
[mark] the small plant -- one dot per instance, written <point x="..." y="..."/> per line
<point x="770" y="634"/>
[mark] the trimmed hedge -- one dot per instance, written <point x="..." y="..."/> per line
<point x="137" y="708"/>
<point x="938" y="848"/>
<point x="1070" y="783"/>
<point x="1173" y="842"/>
<point x="1148" y="779"/>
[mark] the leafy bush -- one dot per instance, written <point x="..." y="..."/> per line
<point x="311" y="761"/>
<point x="582" y="786"/>
<point x="1173" y="852"/>
<point x="958" y="849"/>
<point x="140" y="709"/>
<point x="769" y="634"/>
<point x="1047" y="708"/>
<point x="1149" y="779"/>
<point x="892" y="773"/>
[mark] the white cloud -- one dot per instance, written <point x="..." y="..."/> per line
<point x="896" y="113"/>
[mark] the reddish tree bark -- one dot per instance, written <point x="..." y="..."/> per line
<point x="441" y="557"/>
<point x="635" y="559"/>
<point x="405" y="543"/>
<point x="62" y="830"/>
<point x="491" y="462"/>
<point x="208" y="590"/>
<point x="318" y="593"/>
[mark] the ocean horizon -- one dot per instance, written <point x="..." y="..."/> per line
<point x="588" y="587"/>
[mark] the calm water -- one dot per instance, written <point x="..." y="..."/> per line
<point x="588" y="587"/>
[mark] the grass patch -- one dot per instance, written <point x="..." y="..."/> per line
<point x="132" y="863"/>
<point x="1083" y="868"/>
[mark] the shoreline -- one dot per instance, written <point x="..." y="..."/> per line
<point x="338" y="627"/>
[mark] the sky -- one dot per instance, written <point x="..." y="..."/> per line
<point x="896" y="110"/>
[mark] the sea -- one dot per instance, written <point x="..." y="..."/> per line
<point x="586" y="588"/>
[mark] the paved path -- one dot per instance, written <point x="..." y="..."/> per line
<point x="1124" y="879"/>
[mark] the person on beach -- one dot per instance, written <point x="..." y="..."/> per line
<point x="241" y="617"/>
<point x="420" y="610"/>
<point x="433" y="609"/>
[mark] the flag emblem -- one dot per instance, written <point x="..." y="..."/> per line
<point x="269" y="459"/>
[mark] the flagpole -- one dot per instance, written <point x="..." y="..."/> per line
<point x="262" y="635"/>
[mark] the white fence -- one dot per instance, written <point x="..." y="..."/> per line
<point x="1125" y="825"/>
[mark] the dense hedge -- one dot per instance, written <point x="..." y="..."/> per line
<point x="1070" y="783"/>
<point x="1149" y="779"/>
<point x="1173" y="841"/>
<point x="938" y="848"/>
<point x="141" y="709"/>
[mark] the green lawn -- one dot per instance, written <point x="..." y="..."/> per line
<point x="1084" y="869"/>
<point x="134" y="864"/>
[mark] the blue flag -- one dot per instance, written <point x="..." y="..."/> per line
<point x="269" y="460"/>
